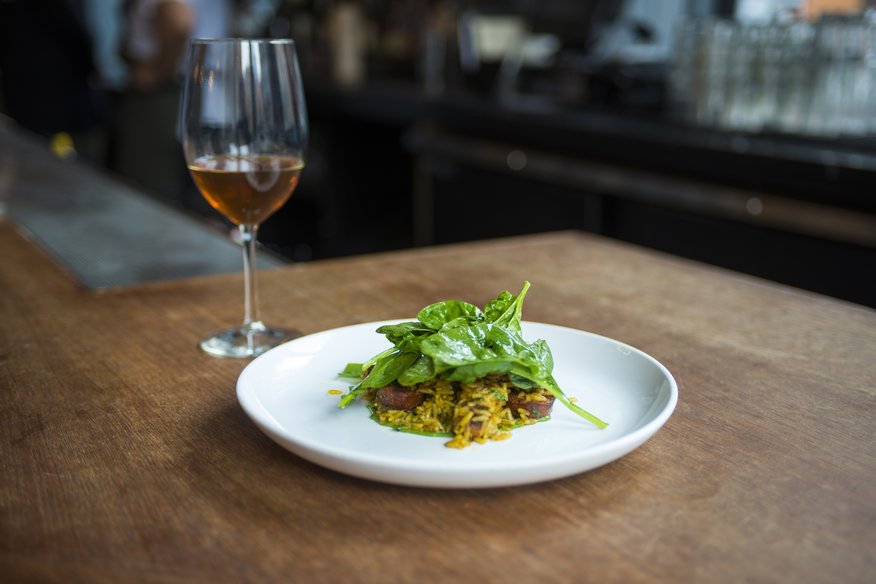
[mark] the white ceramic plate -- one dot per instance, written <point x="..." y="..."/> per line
<point x="286" y="393"/>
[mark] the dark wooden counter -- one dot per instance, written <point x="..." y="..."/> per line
<point x="124" y="455"/>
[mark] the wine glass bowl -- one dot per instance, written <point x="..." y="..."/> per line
<point x="247" y="190"/>
<point x="244" y="131"/>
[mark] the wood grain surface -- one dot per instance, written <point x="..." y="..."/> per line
<point x="125" y="456"/>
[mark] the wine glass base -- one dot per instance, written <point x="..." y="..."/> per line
<point x="240" y="343"/>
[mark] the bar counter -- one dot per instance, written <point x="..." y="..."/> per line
<point x="126" y="457"/>
<point x="792" y="209"/>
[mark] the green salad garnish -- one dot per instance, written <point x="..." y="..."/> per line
<point x="460" y="342"/>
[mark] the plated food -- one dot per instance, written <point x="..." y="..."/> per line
<point x="461" y="372"/>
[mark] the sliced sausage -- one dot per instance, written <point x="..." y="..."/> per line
<point x="536" y="409"/>
<point x="396" y="397"/>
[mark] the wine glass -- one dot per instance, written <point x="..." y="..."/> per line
<point x="243" y="123"/>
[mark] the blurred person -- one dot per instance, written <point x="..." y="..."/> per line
<point x="48" y="78"/>
<point x="104" y="19"/>
<point x="154" y="43"/>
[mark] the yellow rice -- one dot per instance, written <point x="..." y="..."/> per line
<point x="468" y="412"/>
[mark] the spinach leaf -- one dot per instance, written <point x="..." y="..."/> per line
<point x="423" y="369"/>
<point x="466" y="353"/>
<point x="475" y="371"/>
<point x="395" y="333"/>
<point x="387" y="370"/>
<point x="352" y="370"/>
<point x="437" y="315"/>
<point x="494" y="308"/>
<point x="456" y="345"/>
<point x="522" y="382"/>
<point x="370" y="363"/>
<point x="507" y="310"/>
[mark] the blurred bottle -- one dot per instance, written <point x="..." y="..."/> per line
<point x="348" y="37"/>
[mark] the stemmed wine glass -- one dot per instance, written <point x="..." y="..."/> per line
<point x="244" y="132"/>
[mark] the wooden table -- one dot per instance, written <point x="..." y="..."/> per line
<point x="125" y="456"/>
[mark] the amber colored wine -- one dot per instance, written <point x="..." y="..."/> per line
<point x="246" y="189"/>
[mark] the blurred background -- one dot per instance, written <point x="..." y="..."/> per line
<point x="741" y="133"/>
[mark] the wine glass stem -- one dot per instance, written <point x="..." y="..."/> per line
<point x="251" y="320"/>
